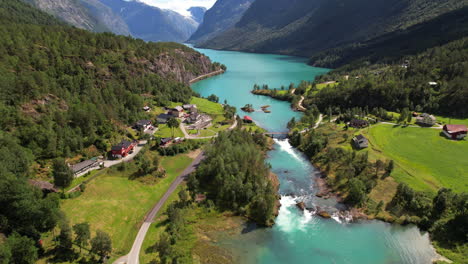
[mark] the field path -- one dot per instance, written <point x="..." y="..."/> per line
<point x="134" y="255"/>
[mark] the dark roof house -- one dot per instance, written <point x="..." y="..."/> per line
<point x="123" y="148"/>
<point x="45" y="186"/>
<point x="142" y="124"/>
<point x="83" y="166"/>
<point x="358" y="123"/>
<point x="360" y="142"/>
<point x="194" y="118"/>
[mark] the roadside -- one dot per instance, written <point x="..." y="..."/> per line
<point x="133" y="256"/>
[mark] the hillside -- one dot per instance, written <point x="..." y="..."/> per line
<point x="151" y="23"/>
<point x="86" y="14"/>
<point x="70" y="89"/>
<point x="222" y="16"/>
<point x="304" y="27"/>
<point x="197" y="12"/>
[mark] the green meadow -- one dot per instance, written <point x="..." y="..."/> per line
<point x="117" y="205"/>
<point x="424" y="159"/>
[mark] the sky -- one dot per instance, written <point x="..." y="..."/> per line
<point x="179" y="6"/>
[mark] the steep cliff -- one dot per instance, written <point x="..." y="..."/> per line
<point x="221" y="17"/>
<point x="151" y="23"/>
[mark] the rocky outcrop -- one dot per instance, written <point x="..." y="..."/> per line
<point x="301" y="205"/>
<point x="324" y="214"/>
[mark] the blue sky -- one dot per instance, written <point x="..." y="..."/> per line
<point x="179" y="6"/>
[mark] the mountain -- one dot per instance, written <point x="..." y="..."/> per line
<point x="307" y="27"/>
<point x="151" y="23"/>
<point x="221" y="17"/>
<point x="86" y="14"/>
<point x="197" y="12"/>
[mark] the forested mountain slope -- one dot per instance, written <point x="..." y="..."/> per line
<point x="68" y="89"/>
<point x="305" y="27"/>
<point x="222" y="16"/>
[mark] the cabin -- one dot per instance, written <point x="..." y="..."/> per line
<point x="358" y="123"/>
<point x="46" y="187"/>
<point x="142" y="125"/>
<point x="146" y="108"/>
<point x="162" y="118"/>
<point x="456" y="132"/>
<point x="425" y="120"/>
<point x="194" y="118"/>
<point x="123" y="148"/>
<point x="177" y="111"/>
<point x="360" y="142"/>
<point x="248" y="119"/>
<point x="165" y="141"/>
<point x="190" y="107"/>
<point x="84" y="166"/>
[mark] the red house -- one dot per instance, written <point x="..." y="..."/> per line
<point x="455" y="131"/>
<point x="248" y="119"/>
<point x="123" y="148"/>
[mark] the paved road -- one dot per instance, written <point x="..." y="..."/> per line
<point x="134" y="255"/>
<point x="201" y="77"/>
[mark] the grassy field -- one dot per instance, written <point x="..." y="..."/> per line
<point x="207" y="107"/>
<point x="425" y="160"/>
<point x="205" y="227"/>
<point x="165" y="131"/>
<point x="454" y="121"/>
<point x="117" y="205"/>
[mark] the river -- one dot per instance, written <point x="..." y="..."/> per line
<point x="301" y="237"/>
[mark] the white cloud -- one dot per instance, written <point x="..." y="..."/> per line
<point x="180" y="6"/>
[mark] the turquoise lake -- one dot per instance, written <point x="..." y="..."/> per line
<point x="301" y="237"/>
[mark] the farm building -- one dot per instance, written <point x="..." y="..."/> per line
<point x="162" y="118"/>
<point x="455" y="131"/>
<point x="425" y="120"/>
<point x="177" y="111"/>
<point x="190" y="107"/>
<point x="142" y="125"/>
<point x="123" y="148"/>
<point x="248" y="119"/>
<point x="194" y="118"/>
<point x="165" y="141"/>
<point x="83" y="166"/>
<point x="358" y="123"/>
<point x="360" y="142"/>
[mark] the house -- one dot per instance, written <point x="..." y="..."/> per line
<point x="248" y="119"/>
<point x="84" y="166"/>
<point x="425" y="120"/>
<point x="360" y="142"/>
<point x="455" y="131"/>
<point x="146" y="108"/>
<point x="190" y="107"/>
<point x="142" y="125"/>
<point x="123" y="148"/>
<point x="165" y="141"/>
<point x="177" y="111"/>
<point x="162" y="118"/>
<point x="194" y="118"/>
<point x="46" y="187"/>
<point x="358" y="123"/>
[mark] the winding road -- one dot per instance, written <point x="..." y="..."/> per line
<point x="134" y="255"/>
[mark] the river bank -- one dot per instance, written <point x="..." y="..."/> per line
<point x="298" y="237"/>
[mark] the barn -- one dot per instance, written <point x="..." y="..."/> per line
<point x="455" y="131"/>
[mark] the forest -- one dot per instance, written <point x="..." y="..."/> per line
<point x="68" y="89"/>
<point x="432" y="81"/>
<point x="235" y="176"/>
